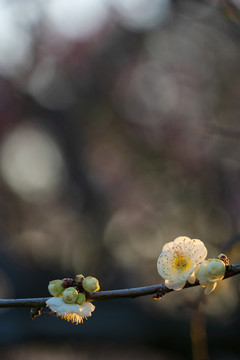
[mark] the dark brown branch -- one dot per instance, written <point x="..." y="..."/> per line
<point x="158" y="290"/>
<point x="5" y="303"/>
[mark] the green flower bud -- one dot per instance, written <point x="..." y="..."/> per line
<point x="55" y="288"/>
<point x="79" y="278"/>
<point x="90" y="284"/>
<point x="81" y="299"/>
<point x="215" y="269"/>
<point x="70" y="295"/>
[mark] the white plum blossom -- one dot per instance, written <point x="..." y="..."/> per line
<point x="70" y="312"/>
<point x="209" y="273"/>
<point x="179" y="259"/>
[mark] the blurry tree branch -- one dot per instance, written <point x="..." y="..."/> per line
<point x="157" y="290"/>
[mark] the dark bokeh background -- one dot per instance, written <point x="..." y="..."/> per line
<point x="119" y="131"/>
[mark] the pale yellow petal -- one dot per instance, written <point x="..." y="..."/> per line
<point x="192" y="278"/>
<point x="209" y="288"/>
<point x="182" y="239"/>
<point x="175" y="285"/>
<point x="168" y="246"/>
<point x="215" y="279"/>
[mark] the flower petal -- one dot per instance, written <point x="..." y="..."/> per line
<point x="196" y="249"/>
<point x="55" y="301"/>
<point x="214" y="279"/>
<point x="72" y="312"/>
<point x="192" y="278"/>
<point x="88" y="308"/>
<point x="175" y="285"/>
<point x="210" y="287"/>
<point x="182" y="239"/>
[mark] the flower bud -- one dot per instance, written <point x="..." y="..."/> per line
<point x="55" y="288"/>
<point x="90" y="284"/>
<point x="70" y="295"/>
<point x="79" y="278"/>
<point x="209" y="273"/>
<point x="81" y="298"/>
<point x="215" y="269"/>
<point x="201" y="273"/>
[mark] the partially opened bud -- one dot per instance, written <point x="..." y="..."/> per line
<point x="215" y="269"/>
<point x="70" y="295"/>
<point x="201" y="273"/>
<point x="90" y="284"/>
<point x="55" y="288"/>
<point x="209" y="273"/>
<point x="81" y="298"/>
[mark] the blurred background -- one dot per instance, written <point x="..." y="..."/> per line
<point x="119" y="131"/>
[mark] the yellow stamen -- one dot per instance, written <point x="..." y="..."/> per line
<point x="181" y="263"/>
<point x="74" y="318"/>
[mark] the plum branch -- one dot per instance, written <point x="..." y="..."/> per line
<point x="157" y="290"/>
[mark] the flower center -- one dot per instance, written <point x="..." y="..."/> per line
<point x="181" y="263"/>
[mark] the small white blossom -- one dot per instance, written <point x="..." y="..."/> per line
<point x="70" y="312"/>
<point x="178" y="261"/>
<point x="209" y="273"/>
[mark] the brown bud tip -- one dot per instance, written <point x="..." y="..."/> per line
<point x="224" y="259"/>
<point x="67" y="282"/>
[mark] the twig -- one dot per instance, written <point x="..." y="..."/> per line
<point x="5" y="303"/>
<point x="158" y="290"/>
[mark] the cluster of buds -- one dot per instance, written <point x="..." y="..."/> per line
<point x="73" y="291"/>
<point x="69" y="299"/>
